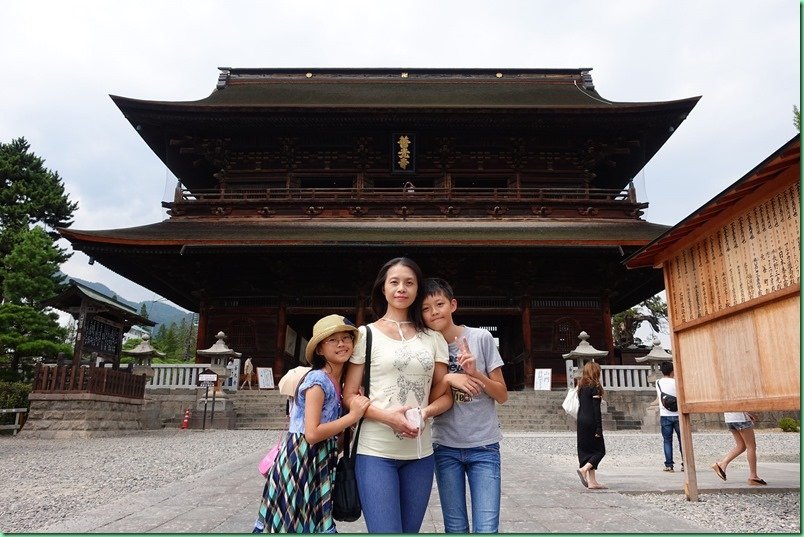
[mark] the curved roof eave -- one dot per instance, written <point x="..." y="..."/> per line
<point x="176" y="234"/>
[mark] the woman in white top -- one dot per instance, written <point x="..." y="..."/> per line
<point x="741" y="425"/>
<point x="394" y="463"/>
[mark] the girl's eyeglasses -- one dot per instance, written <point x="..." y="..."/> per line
<point x="346" y="338"/>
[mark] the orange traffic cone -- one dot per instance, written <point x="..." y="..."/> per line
<point x="186" y="421"/>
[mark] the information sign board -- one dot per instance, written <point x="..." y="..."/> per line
<point x="265" y="378"/>
<point x="542" y="379"/>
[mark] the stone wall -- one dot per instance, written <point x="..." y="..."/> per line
<point x="81" y="415"/>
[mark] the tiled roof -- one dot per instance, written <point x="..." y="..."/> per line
<point x="269" y="232"/>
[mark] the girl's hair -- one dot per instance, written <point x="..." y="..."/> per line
<point x="591" y="377"/>
<point x="380" y="305"/>
<point x="318" y="361"/>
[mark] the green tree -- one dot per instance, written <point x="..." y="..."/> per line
<point x="30" y="271"/>
<point x="797" y="118"/>
<point x="143" y="310"/>
<point x="29" y="194"/>
<point x="625" y="324"/>
<point x="26" y="332"/>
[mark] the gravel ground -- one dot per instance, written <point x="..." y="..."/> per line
<point x="45" y="481"/>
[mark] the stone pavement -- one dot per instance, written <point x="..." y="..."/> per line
<point x="535" y="499"/>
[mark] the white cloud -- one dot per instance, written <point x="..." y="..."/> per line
<point x="63" y="59"/>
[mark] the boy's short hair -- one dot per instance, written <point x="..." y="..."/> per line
<point x="435" y="286"/>
<point x="666" y="367"/>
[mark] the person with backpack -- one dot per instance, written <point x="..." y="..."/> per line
<point x="668" y="414"/>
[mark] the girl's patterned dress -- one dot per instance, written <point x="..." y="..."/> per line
<point x="297" y="497"/>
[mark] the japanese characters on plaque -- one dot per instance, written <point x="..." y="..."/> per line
<point x="102" y="337"/>
<point x="754" y="254"/>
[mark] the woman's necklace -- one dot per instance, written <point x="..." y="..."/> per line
<point x="398" y="326"/>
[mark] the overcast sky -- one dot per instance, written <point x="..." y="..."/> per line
<point x="64" y="58"/>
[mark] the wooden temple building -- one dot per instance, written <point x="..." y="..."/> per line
<point x="296" y="185"/>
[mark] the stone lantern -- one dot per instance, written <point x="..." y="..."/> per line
<point x="656" y="356"/>
<point x="143" y="352"/>
<point x="223" y="410"/>
<point x="582" y="354"/>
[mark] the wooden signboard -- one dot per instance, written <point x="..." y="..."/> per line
<point x="734" y="300"/>
<point x="265" y="378"/>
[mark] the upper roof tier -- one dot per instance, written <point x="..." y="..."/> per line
<point x="550" y="115"/>
<point x="404" y="89"/>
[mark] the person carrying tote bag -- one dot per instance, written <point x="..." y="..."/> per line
<point x="297" y="497"/>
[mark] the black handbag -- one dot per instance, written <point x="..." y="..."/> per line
<point x="345" y="498"/>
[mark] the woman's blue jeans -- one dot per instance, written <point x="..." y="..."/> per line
<point x="481" y="465"/>
<point x="670" y="424"/>
<point x="393" y="493"/>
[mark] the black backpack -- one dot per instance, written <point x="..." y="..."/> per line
<point x="668" y="401"/>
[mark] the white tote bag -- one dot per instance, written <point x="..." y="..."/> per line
<point x="571" y="402"/>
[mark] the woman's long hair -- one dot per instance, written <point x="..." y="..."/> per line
<point x="591" y="377"/>
<point x="380" y="305"/>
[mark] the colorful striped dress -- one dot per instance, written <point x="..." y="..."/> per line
<point x="297" y="497"/>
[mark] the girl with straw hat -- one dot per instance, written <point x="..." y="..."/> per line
<point x="297" y="497"/>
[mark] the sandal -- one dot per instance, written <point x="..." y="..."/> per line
<point x="583" y="479"/>
<point x="719" y="471"/>
<point x="756" y="481"/>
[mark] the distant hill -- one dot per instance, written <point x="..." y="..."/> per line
<point x="158" y="312"/>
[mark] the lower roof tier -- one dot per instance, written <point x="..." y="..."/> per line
<point x="193" y="262"/>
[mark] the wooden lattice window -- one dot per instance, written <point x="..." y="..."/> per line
<point x="242" y="336"/>
<point x="565" y="332"/>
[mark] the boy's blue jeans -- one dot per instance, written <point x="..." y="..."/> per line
<point x="670" y="424"/>
<point x="393" y="493"/>
<point x="481" y="465"/>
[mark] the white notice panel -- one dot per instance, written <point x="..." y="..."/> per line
<point x="542" y="378"/>
<point x="265" y="378"/>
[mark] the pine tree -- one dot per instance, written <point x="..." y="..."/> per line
<point x="29" y="194"/>
<point x="30" y="271"/>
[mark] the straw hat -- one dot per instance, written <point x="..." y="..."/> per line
<point x="331" y="324"/>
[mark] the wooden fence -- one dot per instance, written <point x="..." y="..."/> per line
<point x="83" y="379"/>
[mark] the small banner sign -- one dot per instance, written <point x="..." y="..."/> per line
<point x="207" y="377"/>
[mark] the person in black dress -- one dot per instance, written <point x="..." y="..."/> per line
<point x="591" y="447"/>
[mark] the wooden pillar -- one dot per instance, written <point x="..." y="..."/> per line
<point x="201" y="335"/>
<point x="360" y="311"/>
<point x="684" y="419"/>
<point x="527" y="341"/>
<point x="281" y="330"/>
<point x="116" y="363"/>
<point x="607" y="335"/>
<point x="79" y="341"/>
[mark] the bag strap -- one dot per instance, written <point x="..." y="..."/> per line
<point x="661" y="391"/>
<point x="366" y="377"/>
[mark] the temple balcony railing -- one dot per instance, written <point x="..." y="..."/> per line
<point x="411" y="201"/>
